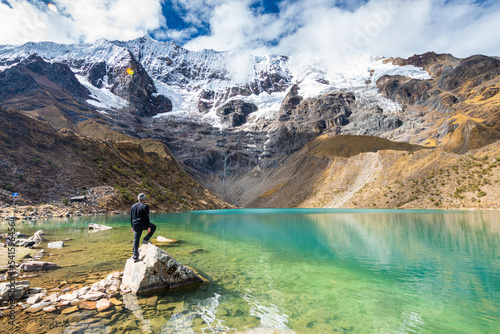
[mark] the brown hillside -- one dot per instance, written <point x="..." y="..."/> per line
<point x="97" y="130"/>
<point x="297" y="179"/>
<point x="348" y="146"/>
<point x="398" y="175"/>
<point x="43" y="164"/>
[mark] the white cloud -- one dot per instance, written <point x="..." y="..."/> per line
<point x="329" y="33"/>
<point x="173" y="34"/>
<point x="333" y="35"/>
<point x="74" y="21"/>
<point x="235" y="27"/>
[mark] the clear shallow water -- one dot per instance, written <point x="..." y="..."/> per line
<point x="308" y="271"/>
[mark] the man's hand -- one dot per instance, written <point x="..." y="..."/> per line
<point x="149" y="229"/>
<point x="132" y="229"/>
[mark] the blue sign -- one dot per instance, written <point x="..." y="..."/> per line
<point x="14" y="194"/>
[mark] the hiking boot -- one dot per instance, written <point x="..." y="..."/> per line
<point x="135" y="259"/>
<point x="145" y="242"/>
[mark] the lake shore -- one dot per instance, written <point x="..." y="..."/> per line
<point x="53" y="210"/>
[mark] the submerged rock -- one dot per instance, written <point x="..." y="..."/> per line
<point x="55" y="244"/>
<point x="163" y="239"/>
<point x="23" y="242"/>
<point x="103" y="304"/>
<point x="37" y="307"/>
<point x="98" y="228"/>
<point x="37" y="265"/>
<point x="156" y="270"/>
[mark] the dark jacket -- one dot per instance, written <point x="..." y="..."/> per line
<point x="139" y="216"/>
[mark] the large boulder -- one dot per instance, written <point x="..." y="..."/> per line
<point x="16" y="290"/>
<point x="37" y="265"/>
<point x="156" y="270"/>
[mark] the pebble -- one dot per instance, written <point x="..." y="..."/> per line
<point x="67" y="296"/>
<point x="116" y="301"/>
<point x="75" y="302"/>
<point x="87" y="305"/>
<point x="93" y="296"/>
<point x="50" y="308"/>
<point x="34" y="299"/>
<point x="103" y="304"/>
<point x="69" y="310"/>
<point x="37" y="307"/>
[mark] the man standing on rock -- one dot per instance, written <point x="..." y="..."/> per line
<point x="139" y="219"/>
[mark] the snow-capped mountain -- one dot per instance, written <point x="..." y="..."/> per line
<point x="231" y="118"/>
<point x="197" y="82"/>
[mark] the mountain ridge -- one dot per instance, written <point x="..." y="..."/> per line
<point x="230" y="129"/>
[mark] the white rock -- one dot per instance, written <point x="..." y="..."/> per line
<point x="20" y="289"/>
<point x="156" y="270"/>
<point x="37" y="307"/>
<point x="98" y="228"/>
<point x="35" y="298"/>
<point x="52" y="298"/>
<point x="50" y="308"/>
<point x="55" y="244"/>
<point x="68" y="296"/>
<point x="93" y="296"/>
<point x="163" y="239"/>
<point x="80" y="292"/>
<point x="103" y="304"/>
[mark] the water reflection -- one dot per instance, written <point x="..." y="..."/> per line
<point x="308" y="271"/>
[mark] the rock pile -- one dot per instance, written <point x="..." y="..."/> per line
<point x="99" y="296"/>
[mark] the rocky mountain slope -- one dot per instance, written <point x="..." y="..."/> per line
<point x="43" y="164"/>
<point x="235" y="122"/>
<point x="368" y="172"/>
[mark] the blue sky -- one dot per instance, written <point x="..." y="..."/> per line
<point x="325" y="28"/>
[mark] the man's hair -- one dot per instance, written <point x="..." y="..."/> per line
<point x="141" y="197"/>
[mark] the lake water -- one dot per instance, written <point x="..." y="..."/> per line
<point x="305" y="271"/>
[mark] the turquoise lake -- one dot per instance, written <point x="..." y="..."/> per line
<point x="308" y="270"/>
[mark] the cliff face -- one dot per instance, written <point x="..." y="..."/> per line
<point x="43" y="164"/>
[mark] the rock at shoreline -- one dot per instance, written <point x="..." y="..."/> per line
<point x="37" y="265"/>
<point x="16" y="235"/>
<point x="21" y="287"/>
<point x="156" y="270"/>
<point x="23" y="242"/>
<point x="55" y="244"/>
<point x="37" y="237"/>
<point x="98" y="228"/>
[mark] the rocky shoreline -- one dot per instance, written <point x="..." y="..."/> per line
<point x="94" y="202"/>
<point x="90" y="301"/>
